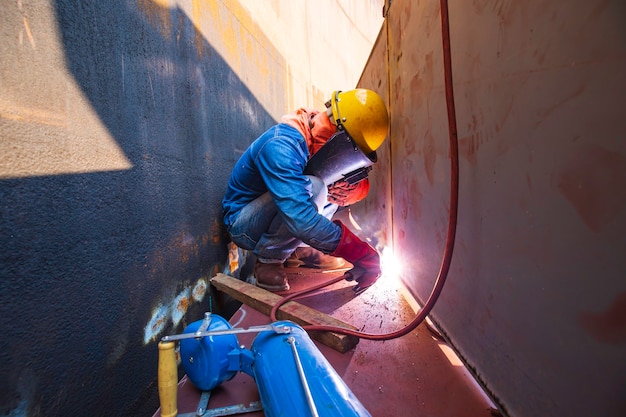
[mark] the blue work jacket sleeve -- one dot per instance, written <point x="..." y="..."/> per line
<point x="281" y="163"/>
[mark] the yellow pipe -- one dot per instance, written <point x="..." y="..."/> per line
<point x="168" y="379"/>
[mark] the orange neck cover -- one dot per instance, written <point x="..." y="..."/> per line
<point x="315" y="126"/>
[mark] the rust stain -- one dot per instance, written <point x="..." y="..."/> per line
<point x="416" y="199"/>
<point x="397" y="93"/>
<point x="216" y="232"/>
<point x="158" y="14"/>
<point x="407" y="129"/>
<point x="226" y="22"/>
<point x="506" y="114"/>
<point x="197" y="12"/>
<point x="593" y="180"/>
<point x="188" y="246"/>
<point x="592" y="18"/>
<point x="608" y="326"/>
<point x="470" y="145"/>
<point x="199" y="290"/>
<point x="185" y="246"/>
<point x="179" y="306"/>
<point x="420" y="86"/>
<point x="416" y="90"/>
<point x="183" y="304"/>
<point x="480" y="5"/>
<point x="233" y="257"/>
<point x="156" y="324"/>
<point x="468" y="148"/>
<point x="543" y="114"/>
<point x="430" y="156"/>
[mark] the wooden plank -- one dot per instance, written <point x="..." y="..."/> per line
<point x="263" y="301"/>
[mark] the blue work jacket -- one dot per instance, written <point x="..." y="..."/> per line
<point x="275" y="162"/>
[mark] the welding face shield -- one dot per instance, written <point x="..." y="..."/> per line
<point x="340" y="159"/>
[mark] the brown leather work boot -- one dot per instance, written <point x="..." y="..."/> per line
<point x="312" y="258"/>
<point x="271" y="277"/>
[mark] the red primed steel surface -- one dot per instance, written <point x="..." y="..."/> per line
<point x="408" y="376"/>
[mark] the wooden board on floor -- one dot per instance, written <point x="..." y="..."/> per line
<point x="263" y="301"/>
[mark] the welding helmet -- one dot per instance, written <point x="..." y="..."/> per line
<point x="340" y="159"/>
<point x="363" y="115"/>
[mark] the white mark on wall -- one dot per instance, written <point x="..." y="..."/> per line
<point x="26" y="388"/>
<point x="151" y="89"/>
<point x="174" y="310"/>
<point x="179" y="306"/>
<point x="119" y="342"/>
<point x="199" y="290"/>
<point x="156" y="324"/>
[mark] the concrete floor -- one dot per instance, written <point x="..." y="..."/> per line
<point x="414" y="375"/>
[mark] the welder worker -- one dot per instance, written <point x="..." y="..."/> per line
<point x="271" y="207"/>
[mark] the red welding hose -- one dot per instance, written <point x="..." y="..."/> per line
<point x="452" y="219"/>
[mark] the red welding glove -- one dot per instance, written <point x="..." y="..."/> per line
<point x="360" y="254"/>
<point x="344" y="194"/>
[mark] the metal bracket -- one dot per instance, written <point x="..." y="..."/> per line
<point x="305" y="385"/>
<point x="234" y="409"/>
<point x="253" y="329"/>
<point x="229" y="410"/>
<point x="203" y="403"/>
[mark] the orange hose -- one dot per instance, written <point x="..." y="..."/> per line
<point x="452" y="219"/>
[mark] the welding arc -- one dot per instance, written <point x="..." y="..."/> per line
<point x="452" y="219"/>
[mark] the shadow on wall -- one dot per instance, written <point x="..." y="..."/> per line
<point x="87" y="259"/>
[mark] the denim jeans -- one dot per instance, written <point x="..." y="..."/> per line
<point x="259" y="226"/>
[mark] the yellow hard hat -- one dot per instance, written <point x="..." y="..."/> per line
<point x="362" y="113"/>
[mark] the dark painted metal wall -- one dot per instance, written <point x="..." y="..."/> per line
<point x="536" y="296"/>
<point x="120" y="122"/>
<point x="95" y="266"/>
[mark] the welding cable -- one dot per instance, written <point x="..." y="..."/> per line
<point x="452" y="219"/>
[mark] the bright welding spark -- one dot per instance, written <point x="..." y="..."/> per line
<point x="353" y="221"/>
<point x="391" y="268"/>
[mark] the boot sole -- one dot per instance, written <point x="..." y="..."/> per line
<point x="298" y="264"/>
<point x="273" y="288"/>
<point x="293" y="263"/>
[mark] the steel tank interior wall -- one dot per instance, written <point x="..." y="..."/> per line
<point x="120" y="122"/>
<point x="535" y="298"/>
<point x="123" y="138"/>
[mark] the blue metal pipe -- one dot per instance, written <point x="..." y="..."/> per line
<point x="292" y="376"/>
<point x="282" y="391"/>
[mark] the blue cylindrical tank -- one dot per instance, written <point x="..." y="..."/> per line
<point x="280" y="387"/>
<point x="205" y="360"/>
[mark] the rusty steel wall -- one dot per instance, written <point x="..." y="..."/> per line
<point x="120" y="122"/>
<point x="536" y="295"/>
